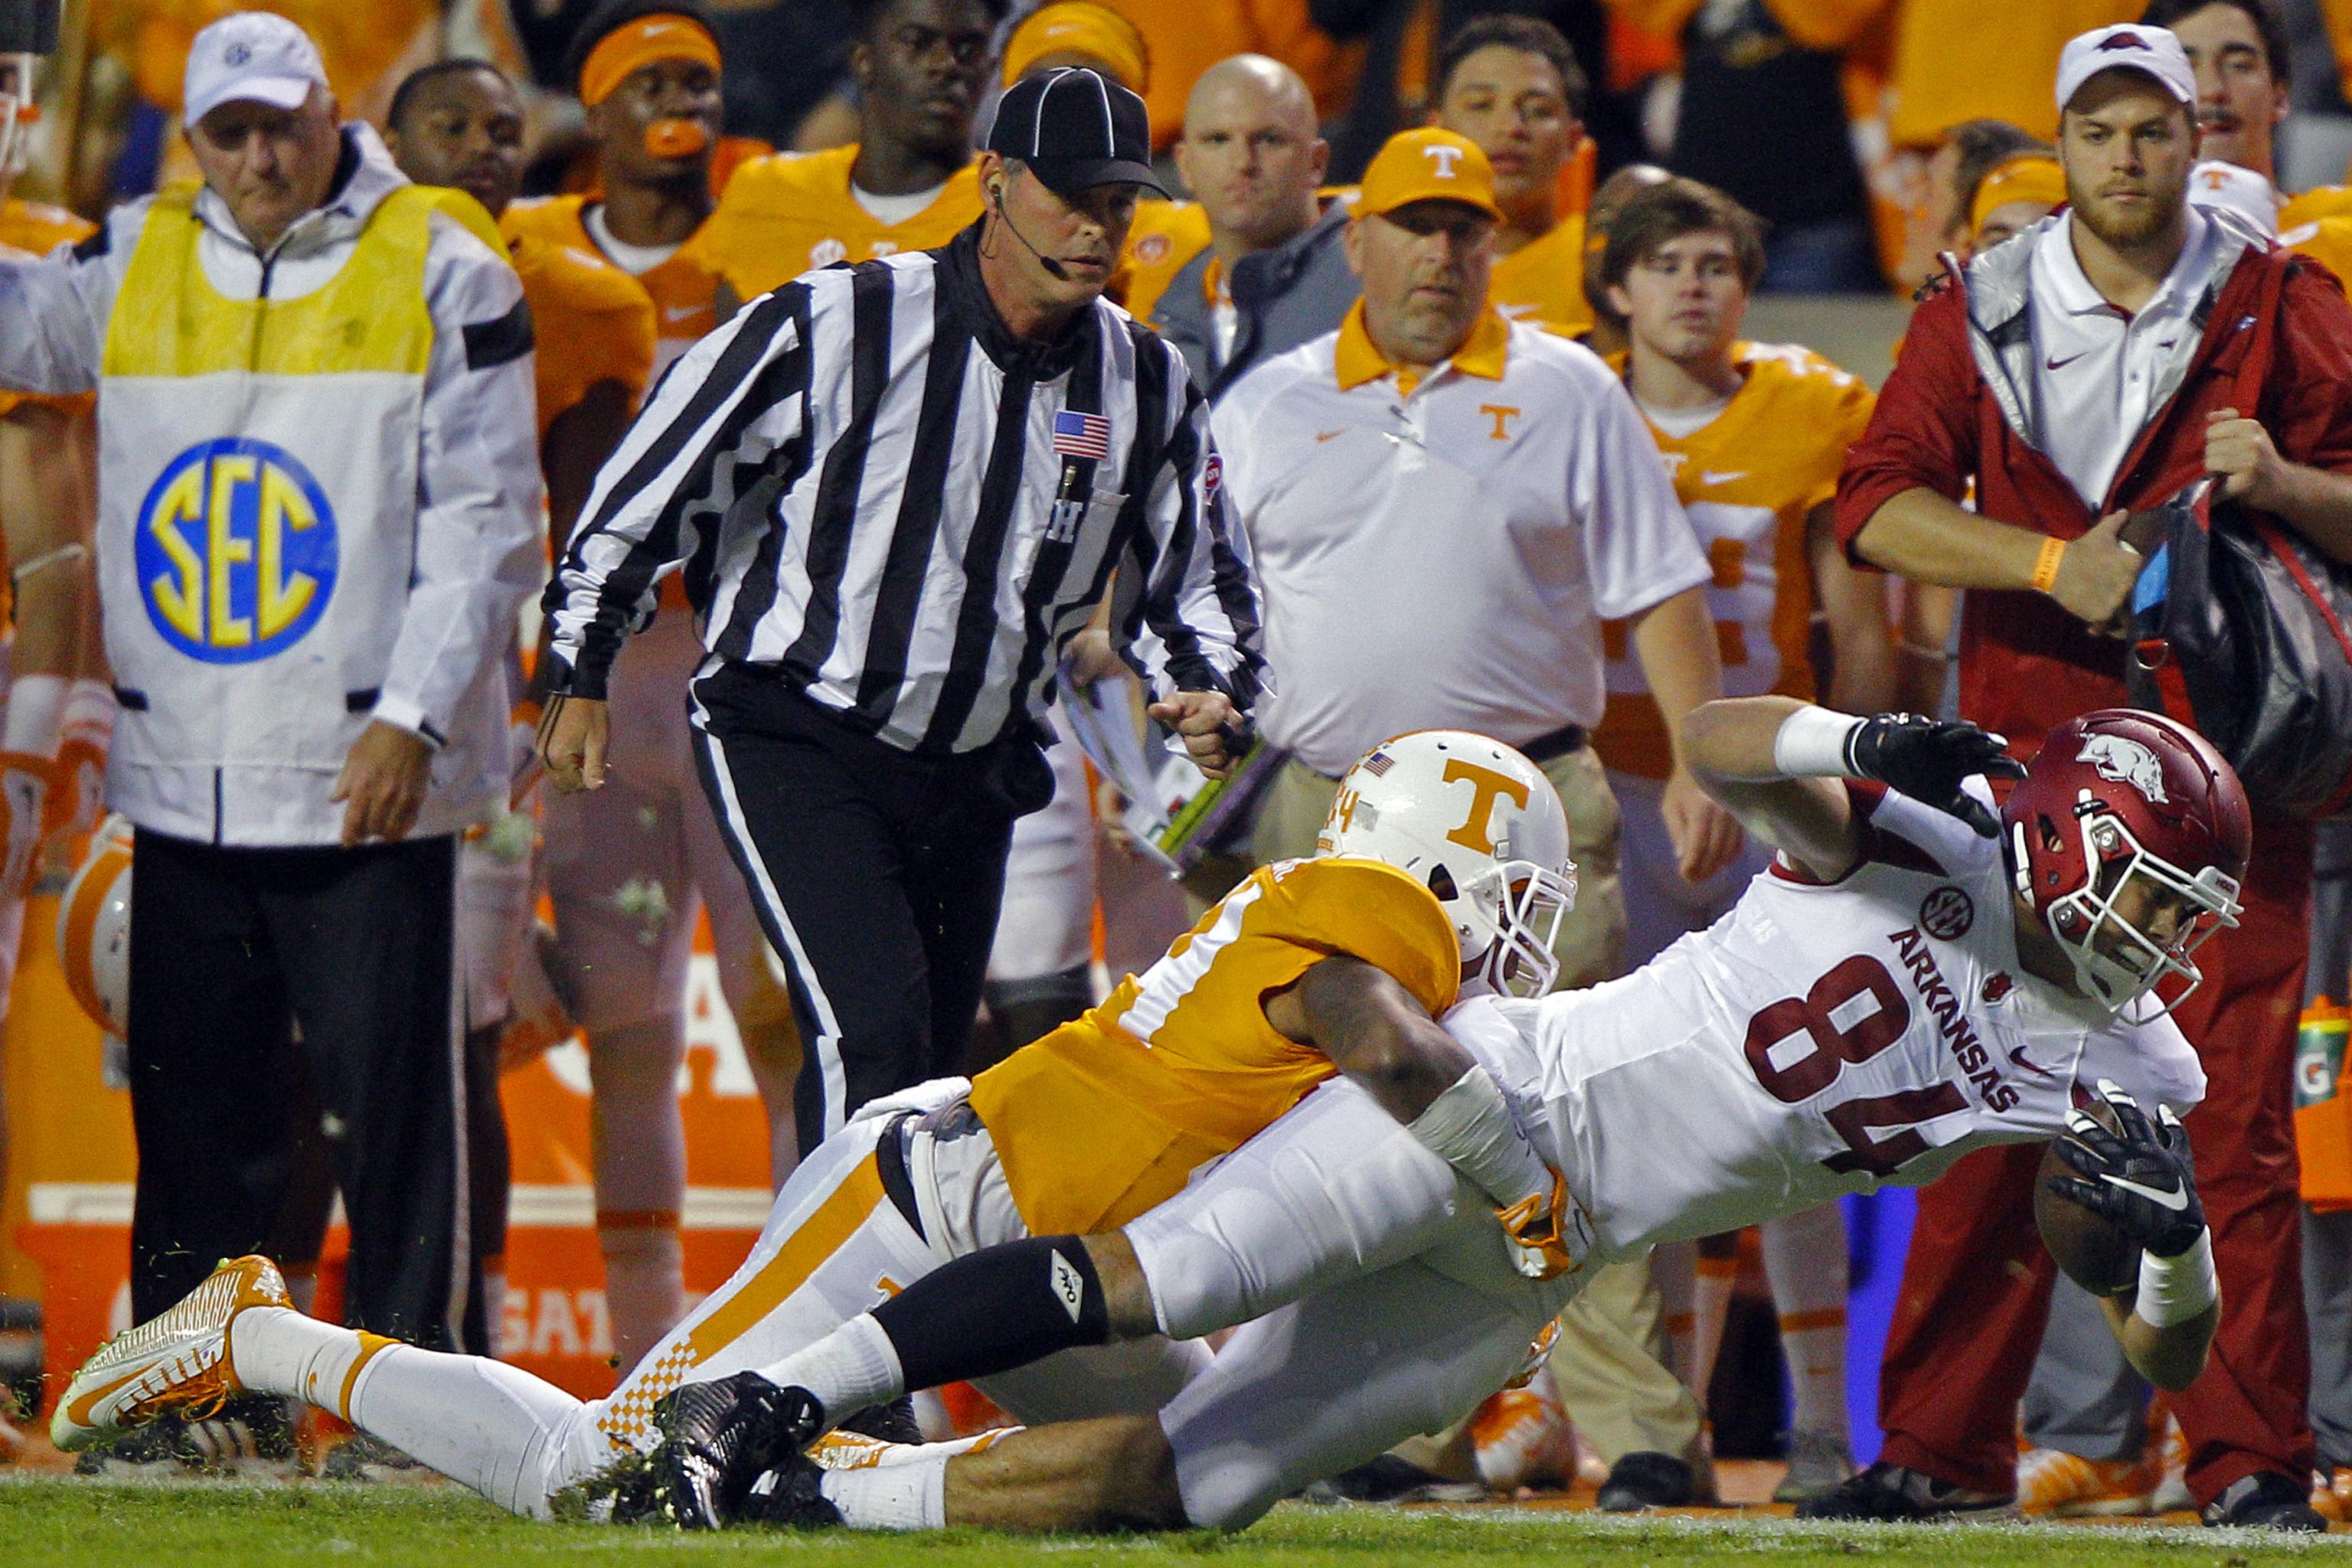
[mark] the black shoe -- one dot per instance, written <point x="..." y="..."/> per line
<point x="2266" y="1500"/>
<point x="889" y="1422"/>
<point x="1886" y="1491"/>
<point x="1646" y="1480"/>
<point x="718" y="1437"/>
<point x="249" y="1436"/>
<point x="788" y="1498"/>
<point x="1388" y="1478"/>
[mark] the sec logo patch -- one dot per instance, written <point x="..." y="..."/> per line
<point x="235" y="551"/>
<point x="1947" y="913"/>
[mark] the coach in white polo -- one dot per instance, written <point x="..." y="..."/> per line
<point x="1445" y="506"/>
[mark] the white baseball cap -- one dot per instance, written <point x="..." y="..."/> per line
<point x="2151" y="51"/>
<point x="2213" y="183"/>
<point x="251" y="56"/>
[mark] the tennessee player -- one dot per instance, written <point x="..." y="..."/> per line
<point x="1753" y="436"/>
<point x="906" y="184"/>
<point x="57" y="717"/>
<point x="628" y="865"/>
<point x="1309" y="970"/>
<point x="459" y="123"/>
<point x="1512" y="85"/>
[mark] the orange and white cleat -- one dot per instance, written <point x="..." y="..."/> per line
<point x="2331" y="1494"/>
<point x="1523" y="1439"/>
<point x="2060" y="1485"/>
<point x="177" y="1362"/>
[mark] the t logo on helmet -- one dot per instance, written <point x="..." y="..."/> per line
<point x="1444" y="157"/>
<point x="1476" y="831"/>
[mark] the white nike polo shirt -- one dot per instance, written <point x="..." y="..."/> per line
<point x="1438" y="552"/>
<point x="2096" y="366"/>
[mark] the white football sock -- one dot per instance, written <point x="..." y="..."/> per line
<point x="1710" y="1305"/>
<point x="490" y="1426"/>
<point x="275" y="1349"/>
<point x="852" y="1367"/>
<point x="1805" y="1262"/>
<point x="909" y="1495"/>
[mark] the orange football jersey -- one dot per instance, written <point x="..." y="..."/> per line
<point x="683" y="289"/>
<point x="2326" y="239"/>
<point x="33" y="228"/>
<point x="1164" y="237"/>
<point x="794" y="212"/>
<point x="1110" y="1115"/>
<point x="2320" y="201"/>
<point x="1747" y="478"/>
<point x="1542" y="283"/>
<point x="592" y="321"/>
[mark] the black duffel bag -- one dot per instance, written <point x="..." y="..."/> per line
<point x="2243" y="630"/>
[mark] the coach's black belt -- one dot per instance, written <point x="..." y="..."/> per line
<point x="1552" y="747"/>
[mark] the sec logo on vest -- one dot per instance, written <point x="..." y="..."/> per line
<point x="235" y="551"/>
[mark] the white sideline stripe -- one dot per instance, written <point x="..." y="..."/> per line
<point x="544" y="1206"/>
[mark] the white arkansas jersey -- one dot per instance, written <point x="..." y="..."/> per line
<point x="1820" y="1040"/>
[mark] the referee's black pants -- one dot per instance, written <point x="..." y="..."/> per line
<point x="878" y="875"/>
<point x="261" y="978"/>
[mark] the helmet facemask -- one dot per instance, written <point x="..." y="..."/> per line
<point x="1516" y="905"/>
<point x="2118" y="961"/>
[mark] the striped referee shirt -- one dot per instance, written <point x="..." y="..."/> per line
<point x="874" y="487"/>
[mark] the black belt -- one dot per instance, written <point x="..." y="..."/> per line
<point x="1552" y="747"/>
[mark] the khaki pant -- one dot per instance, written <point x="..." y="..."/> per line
<point x="1591" y="942"/>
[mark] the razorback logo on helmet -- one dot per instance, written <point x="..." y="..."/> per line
<point x="2125" y="760"/>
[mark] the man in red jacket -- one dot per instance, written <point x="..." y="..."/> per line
<point x="2093" y="366"/>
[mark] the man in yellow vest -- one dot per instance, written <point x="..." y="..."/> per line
<point x="318" y="511"/>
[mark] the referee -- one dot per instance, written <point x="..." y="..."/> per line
<point x="897" y="490"/>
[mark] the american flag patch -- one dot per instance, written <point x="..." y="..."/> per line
<point x="1378" y="763"/>
<point x="1081" y="434"/>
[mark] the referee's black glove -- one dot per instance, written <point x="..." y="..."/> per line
<point x="1930" y="759"/>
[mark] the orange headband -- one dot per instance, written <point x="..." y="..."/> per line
<point x="2032" y="178"/>
<point x="626" y="50"/>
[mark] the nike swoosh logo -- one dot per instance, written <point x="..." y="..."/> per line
<point x="2176" y="1202"/>
<point x="1711" y="476"/>
<point x="680" y="312"/>
<point x="2061" y="364"/>
<point x="1329" y="435"/>
<point x="79" y="1411"/>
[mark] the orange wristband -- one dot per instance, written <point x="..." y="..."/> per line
<point x="2045" y="566"/>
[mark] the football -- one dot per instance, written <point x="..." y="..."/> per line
<point x="2094" y="1253"/>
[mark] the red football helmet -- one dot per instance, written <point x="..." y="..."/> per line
<point x="2115" y="795"/>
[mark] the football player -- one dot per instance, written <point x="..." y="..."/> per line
<point x="1309" y="969"/>
<point x="1753" y="436"/>
<point x="1966" y="986"/>
<point x="628" y="865"/>
<point x="1914" y="978"/>
<point x="908" y="182"/>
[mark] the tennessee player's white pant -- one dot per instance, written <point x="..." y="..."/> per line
<point x="1382" y="1302"/>
<point x="837" y="1245"/>
<point x="1047" y="925"/>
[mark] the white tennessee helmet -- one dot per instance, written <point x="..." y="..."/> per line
<point x="94" y="928"/>
<point x="1481" y="828"/>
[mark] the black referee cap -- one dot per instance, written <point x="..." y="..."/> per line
<point x="1076" y="128"/>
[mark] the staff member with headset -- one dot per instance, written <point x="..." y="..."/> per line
<point x="318" y="511"/>
<point x="897" y="490"/>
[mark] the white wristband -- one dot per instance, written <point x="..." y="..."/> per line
<point x="1470" y="1128"/>
<point x="1812" y="743"/>
<point x="2174" y="1290"/>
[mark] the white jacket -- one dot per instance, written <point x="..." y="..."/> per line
<point x="240" y="412"/>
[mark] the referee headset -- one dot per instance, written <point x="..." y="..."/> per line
<point x="996" y="194"/>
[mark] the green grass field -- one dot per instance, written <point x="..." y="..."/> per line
<point x="70" y="1524"/>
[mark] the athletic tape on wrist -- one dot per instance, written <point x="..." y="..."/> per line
<point x="1470" y="1128"/>
<point x="2174" y="1290"/>
<point x="1816" y="743"/>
